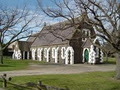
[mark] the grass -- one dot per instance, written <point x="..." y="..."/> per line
<point x="84" y="81"/>
<point x="10" y="64"/>
<point x="110" y="60"/>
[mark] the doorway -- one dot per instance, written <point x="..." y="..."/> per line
<point x="26" y="55"/>
<point x="86" y="55"/>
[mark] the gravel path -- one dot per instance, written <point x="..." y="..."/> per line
<point x="60" y="69"/>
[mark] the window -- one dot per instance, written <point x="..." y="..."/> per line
<point x="86" y="34"/>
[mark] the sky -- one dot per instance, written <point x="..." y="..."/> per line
<point x="20" y="3"/>
<point x="32" y="5"/>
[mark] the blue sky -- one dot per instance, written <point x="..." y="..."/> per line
<point x="31" y="4"/>
<point x="13" y="3"/>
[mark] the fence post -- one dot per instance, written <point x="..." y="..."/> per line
<point x="4" y="81"/>
<point x="4" y="77"/>
<point x="40" y="83"/>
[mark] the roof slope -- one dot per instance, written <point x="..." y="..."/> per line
<point x="55" y="34"/>
<point x="24" y="46"/>
<point x="87" y="44"/>
<point x="59" y="33"/>
<point x="32" y="37"/>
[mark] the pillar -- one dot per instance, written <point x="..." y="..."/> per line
<point x="23" y="55"/>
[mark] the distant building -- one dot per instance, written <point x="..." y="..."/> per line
<point x="21" y="49"/>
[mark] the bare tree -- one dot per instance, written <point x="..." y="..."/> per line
<point x="108" y="50"/>
<point x="15" y="24"/>
<point x="103" y="15"/>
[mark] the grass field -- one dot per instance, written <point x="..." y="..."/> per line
<point x="84" y="81"/>
<point x="10" y="64"/>
<point x="110" y="61"/>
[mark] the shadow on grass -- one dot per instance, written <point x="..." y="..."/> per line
<point x="109" y="62"/>
<point x="17" y="87"/>
<point x="5" y="65"/>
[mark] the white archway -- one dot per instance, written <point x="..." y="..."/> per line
<point x="69" y="49"/>
<point x="92" y="55"/>
<point x="46" y="54"/>
<point x="17" y="54"/>
<point x="39" y="54"/>
<point x="55" y="54"/>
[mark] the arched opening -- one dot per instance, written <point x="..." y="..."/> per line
<point x="49" y="53"/>
<point x="36" y="58"/>
<point x="86" y="55"/>
<point x="26" y="54"/>
<point x="69" y="57"/>
<point x="42" y="56"/>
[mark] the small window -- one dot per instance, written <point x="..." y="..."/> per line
<point x="86" y="34"/>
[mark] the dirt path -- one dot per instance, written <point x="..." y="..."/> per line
<point x="60" y="69"/>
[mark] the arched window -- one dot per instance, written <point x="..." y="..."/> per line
<point x="86" y="34"/>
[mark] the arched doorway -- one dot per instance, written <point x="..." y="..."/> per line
<point x="86" y="55"/>
<point x="69" y="57"/>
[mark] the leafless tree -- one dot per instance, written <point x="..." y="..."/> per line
<point x="103" y="15"/>
<point x="108" y="50"/>
<point x="15" y="24"/>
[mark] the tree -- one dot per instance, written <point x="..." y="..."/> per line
<point x="15" y="24"/>
<point x="108" y="50"/>
<point x="103" y="15"/>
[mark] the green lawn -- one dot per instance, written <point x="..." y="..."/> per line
<point x="84" y="81"/>
<point x="110" y="60"/>
<point x="10" y="64"/>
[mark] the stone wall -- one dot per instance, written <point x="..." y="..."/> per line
<point x="76" y="43"/>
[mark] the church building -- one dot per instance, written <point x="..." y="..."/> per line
<point x="63" y="43"/>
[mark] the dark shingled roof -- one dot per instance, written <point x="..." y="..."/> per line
<point x="24" y="46"/>
<point x="32" y="37"/>
<point x="87" y="44"/>
<point x="53" y="35"/>
<point x="59" y="33"/>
